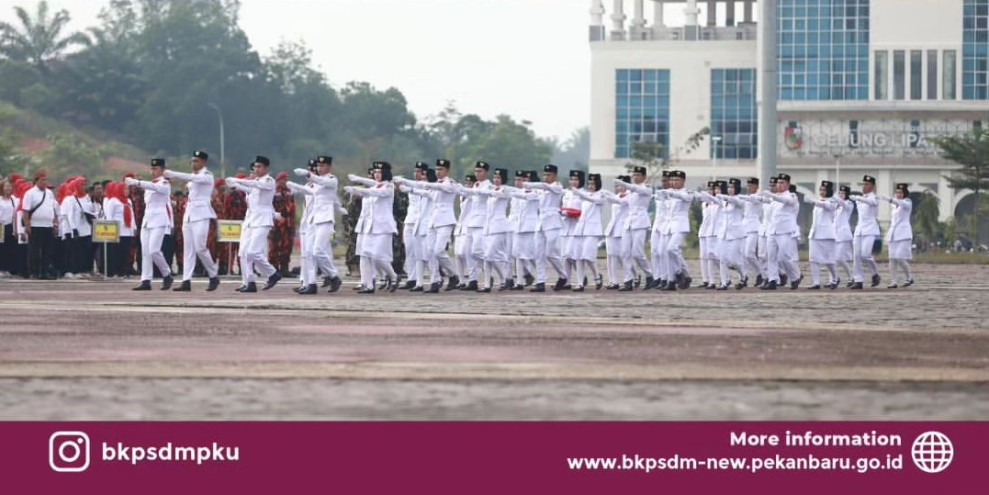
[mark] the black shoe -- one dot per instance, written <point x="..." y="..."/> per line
<point x="796" y="283"/>
<point x="849" y="284"/>
<point x="567" y="287"/>
<point x="705" y="285"/>
<point x="598" y="282"/>
<point x="638" y="281"/>
<point x="517" y="287"/>
<point x="577" y="289"/>
<point x="383" y="285"/>
<point x="509" y="284"/>
<point x="472" y="285"/>
<point x="875" y="280"/>
<point x="335" y="284"/>
<point x="833" y="285"/>
<point x="670" y="286"/>
<point x="411" y="284"/>
<point x="485" y="290"/>
<point x="241" y="288"/>
<point x="393" y="286"/>
<point x="434" y="288"/>
<point x="453" y="284"/>
<point x="358" y="288"/>
<point x="686" y="283"/>
<point x="366" y="291"/>
<point x="626" y="287"/>
<point x="417" y="288"/>
<point x="213" y="284"/>
<point x="613" y="287"/>
<point x="722" y="287"/>
<point x="540" y="287"/>
<point x="326" y="282"/>
<point x="298" y="289"/>
<point x="711" y="287"/>
<point x="814" y="287"/>
<point x="145" y="285"/>
<point x="529" y="279"/>
<point x="743" y="284"/>
<point x="309" y="290"/>
<point x="771" y="285"/>
<point x="783" y="279"/>
<point x="166" y="283"/>
<point x="250" y="287"/>
<point x="892" y="286"/>
<point x="908" y="283"/>
<point x="185" y="286"/>
<point x="560" y="284"/>
<point x="856" y="286"/>
<point x="759" y="280"/>
<point x="651" y="283"/>
<point x="663" y="283"/>
<point x="272" y="280"/>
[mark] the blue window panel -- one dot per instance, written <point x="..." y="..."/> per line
<point x="733" y="111"/>
<point x="975" y="50"/>
<point x="642" y="108"/>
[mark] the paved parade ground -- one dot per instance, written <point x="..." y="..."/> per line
<point x="79" y="350"/>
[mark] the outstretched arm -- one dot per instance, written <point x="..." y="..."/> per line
<point x="195" y="178"/>
<point x="296" y="188"/>
<point x="364" y="181"/>
<point x="596" y="199"/>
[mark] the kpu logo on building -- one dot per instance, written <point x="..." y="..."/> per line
<point x="793" y="137"/>
<point x="68" y="451"/>
<point x="932" y="452"/>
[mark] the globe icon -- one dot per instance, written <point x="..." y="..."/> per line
<point x="932" y="452"/>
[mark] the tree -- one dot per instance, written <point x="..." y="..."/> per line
<point x="37" y="41"/>
<point x="575" y="153"/>
<point x="654" y="158"/>
<point x="509" y="144"/>
<point x="971" y="151"/>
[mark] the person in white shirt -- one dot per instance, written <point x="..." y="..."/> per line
<point x="319" y="224"/>
<point x="899" y="237"/>
<point x="658" y="240"/>
<point x="258" y="220"/>
<point x="117" y="207"/>
<point x="376" y="253"/>
<point x="423" y="229"/>
<point x="549" y="250"/>
<point x="613" y="233"/>
<point x="866" y="232"/>
<point x="587" y="233"/>
<point x="822" y="236"/>
<point x="752" y="225"/>
<point x="707" y="232"/>
<point x="635" y="228"/>
<point x="731" y="236"/>
<point x="475" y="228"/>
<point x="442" y="224"/>
<point x="155" y="224"/>
<point x="496" y="230"/>
<point x="570" y="215"/>
<point x="781" y="243"/>
<point x="524" y="268"/>
<point x="676" y="229"/>
<point x="843" y="232"/>
<point x="410" y="241"/>
<point x="462" y="247"/>
<point x="8" y="209"/>
<point x="525" y="245"/>
<point x="196" y="221"/>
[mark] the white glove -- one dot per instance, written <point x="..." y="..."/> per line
<point x="883" y="197"/>
<point x="277" y="216"/>
<point x="168" y="174"/>
<point x="130" y="181"/>
<point x="809" y="200"/>
<point x="301" y="172"/>
<point x="352" y="177"/>
<point x="855" y="197"/>
<point x="400" y="180"/>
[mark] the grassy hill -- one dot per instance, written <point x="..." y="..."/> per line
<point x="30" y="141"/>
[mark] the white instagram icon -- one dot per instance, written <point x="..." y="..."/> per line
<point x="68" y="451"/>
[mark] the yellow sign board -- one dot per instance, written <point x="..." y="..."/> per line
<point x="106" y="231"/>
<point x="3" y="232"/>
<point x="228" y="230"/>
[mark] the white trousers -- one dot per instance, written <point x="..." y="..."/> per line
<point x="674" y="255"/>
<point x="634" y="246"/>
<point x="780" y="253"/>
<point x="151" y="255"/>
<point x="751" y="254"/>
<point x="730" y="257"/>
<point x="438" y="255"/>
<point x="548" y="251"/>
<point x="322" y="248"/>
<point x="862" y="249"/>
<point x="194" y="244"/>
<point x="254" y="253"/>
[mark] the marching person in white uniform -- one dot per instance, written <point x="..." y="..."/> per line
<point x="866" y="232"/>
<point x="587" y="233"/>
<point x="780" y="242"/>
<point x="496" y="230"/>
<point x="822" y="236"/>
<point x="475" y="228"/>
<point x="635" y="228"/>
<point x="899" y="237"/>
<point x="380" y="227"/>
<point x="320" y="225"/>
<point x="613" y="233"/>
<point x="462" y="248"/>
<point x="196" y="220"/>
<point x="257" y="224"/>
<point x="658" y="240"/>
<point x="525" y="239"/>
<point x="442" y="222"/>
<point x="752" y="224"/>
<point x="843" y="233"/>
<point x="707" y="233"/>
<point x="570" y="214"/>
<point x="155" y="224"/>
<point x="523" y="270"/>
<point x="412" y="243"/>
<point x="676" y="229"/>
<point x="548" y="236"/>
<point x="731" y="236"/>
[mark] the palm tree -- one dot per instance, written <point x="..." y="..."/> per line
<point x="926" y="216"/>
<point x="37" y="41"/>
<point x="971" y="151"/>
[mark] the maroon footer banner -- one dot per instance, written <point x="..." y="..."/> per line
<point x="494" y="457"/>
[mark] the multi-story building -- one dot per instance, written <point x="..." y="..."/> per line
<point x="862" y="86"/>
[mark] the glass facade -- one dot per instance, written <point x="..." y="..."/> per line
<point x="948" y="78"/>
<point x="733" y="113"/>
<point x="975" y="50"/>
<point x="899" y="75"/>
<point x="931" y="74"/>
<point x="881" y="75"/>
<point x="823" y="49"/>
<point x="916" y="68"/>
<point x="642" y="109"/>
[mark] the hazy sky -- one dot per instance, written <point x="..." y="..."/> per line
<point x="527" y="58"/>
